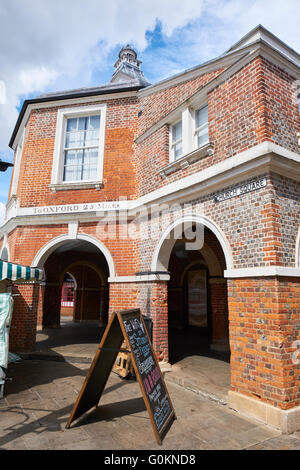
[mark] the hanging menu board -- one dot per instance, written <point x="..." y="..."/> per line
<point x="128" y="325"/>
<point x="148" y="372"/>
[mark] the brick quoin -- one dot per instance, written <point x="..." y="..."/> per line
<point x="264" y="322"/>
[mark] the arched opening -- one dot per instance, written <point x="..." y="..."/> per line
<point x="197" y="299"/>
<point x="197" y="325"/>
<point x="76" y="287"/>
<point x="68" y="296"/>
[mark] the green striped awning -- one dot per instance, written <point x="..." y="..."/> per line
<point x="16" y="271"/>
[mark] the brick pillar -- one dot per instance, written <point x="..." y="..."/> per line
<point x="151" y="298"/>
<point x="123" y="296"/>
<point x="41" y="304"/>
<point x="264" y="319"/>
<point x="219" y="310"/>
<point x="22" y="336"/>
<point x="159" y="314"/>
<point x="51" y="305"/>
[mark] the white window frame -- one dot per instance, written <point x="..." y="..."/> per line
<point x="5" y="245"/>
<point x="197" y="129"/>
<point x="189" y="131"/>
<point x="63" y="114"/>
<point x="17" y="164"/>
<point x="172" y="143"/>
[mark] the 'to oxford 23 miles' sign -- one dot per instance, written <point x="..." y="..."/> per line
<point x="253" y="185"/>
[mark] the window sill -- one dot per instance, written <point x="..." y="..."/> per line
<point x="187" y="160"/>
<point x="76" y="185"/>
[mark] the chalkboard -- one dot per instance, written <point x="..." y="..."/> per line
<point x="148" y="372"/>
<point x="99" y="371"/>
<point x="128" y="325"/>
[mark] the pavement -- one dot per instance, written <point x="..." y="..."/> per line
<point x="38" y="402"/>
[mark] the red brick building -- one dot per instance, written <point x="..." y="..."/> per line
<point x="181" y="198"/>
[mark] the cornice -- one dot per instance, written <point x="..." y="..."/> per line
<point x="262" y="271"/>
<point x="263" y="158"/>
<point x="223" y="61"/>
<point x="260" y="48"/>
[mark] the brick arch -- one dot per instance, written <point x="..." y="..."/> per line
<point x="165" y="245"/>
<point x="44" y="253"/>
<point x="69" y="268"/>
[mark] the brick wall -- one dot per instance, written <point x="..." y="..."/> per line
<point x="24" y="319"/>
<point x="264" y="322"/>
<point x="151" y="298"/>
<point x="119" y="169"/>
<point x="256" y="104"/>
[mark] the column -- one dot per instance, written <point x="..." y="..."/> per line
<point x="264" y="318"/>
<point x="219" y="311"/>
<point x="22" y="336"/>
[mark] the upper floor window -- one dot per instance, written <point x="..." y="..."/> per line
<point x="189" y="133"/>
<point x="79" y="147"/>
<point x="176" y="140"/>
<point x="201" y="126"/>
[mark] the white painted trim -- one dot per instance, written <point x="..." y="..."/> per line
<point x="74" y="279"/>
<point x="260" y="33"/>
<point x="261" y="158"/>
<point x="195" y="72"/>
<point x="187" y="131"/>
<point x="200" y="96"/>
<point x="53" y="244"/>
<point x="76" y="185"/>
<point x="262" y="271"/>
<point x="145" y="278"/>
<point x="198" y="219"/>
<point x="58" y="157"/>
<point x="73" y="229"/>
<point x="5" y="245"/>
<point x="241" y="165"/>
<point x="225" y="61"/>
<point x="186" y="160"/>
<point x="17" y="165"/>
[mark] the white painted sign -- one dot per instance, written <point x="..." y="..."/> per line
<point x="253" y="185"/>
<point x="72" y="208"/>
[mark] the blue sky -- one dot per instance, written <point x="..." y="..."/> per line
<point x="54" y="45"/>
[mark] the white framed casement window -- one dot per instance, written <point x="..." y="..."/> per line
<point x="79" y="148"/>
<point x="176" y="140"/>
<point x="201" y="127"/>
<point x="188" y="137"/>
<point x="189" y="133"/>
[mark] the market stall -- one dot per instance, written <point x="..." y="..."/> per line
<point x="10" y="272"/>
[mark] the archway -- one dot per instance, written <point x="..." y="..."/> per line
<point x="162" y="252"/>
<point x="197" y="289"/>
<point x="68" y="296"/>
<point x="89" y="268"/>
<point x="90" y="291"/>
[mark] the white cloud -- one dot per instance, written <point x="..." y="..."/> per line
<point x="2" y="213"/>
<point x="54" y="43"/>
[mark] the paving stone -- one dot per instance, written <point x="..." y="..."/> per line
<point x="38" y="403"/>
<point x="47" y="439"/>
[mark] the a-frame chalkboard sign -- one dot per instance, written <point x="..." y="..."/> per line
<point x="128" y="325"/>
